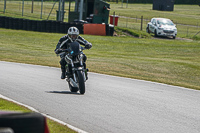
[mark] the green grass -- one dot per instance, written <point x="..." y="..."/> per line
<point x="135" y="33"/>
<point x="54" y="127"/>
<point x="7" y="105"/>
<point x="182" y="14"/>
<point x="175" y="62"/>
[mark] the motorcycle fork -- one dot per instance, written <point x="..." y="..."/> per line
<point x="84" y="71"/>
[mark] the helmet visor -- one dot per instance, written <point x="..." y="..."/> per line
<point x="73" y="36"/>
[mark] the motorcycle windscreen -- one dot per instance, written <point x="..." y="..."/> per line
<point x="75" y="48"/>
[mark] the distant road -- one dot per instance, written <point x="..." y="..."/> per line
<point x="110" y="104"/>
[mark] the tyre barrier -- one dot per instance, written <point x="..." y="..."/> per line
<point x="44" y="25"/>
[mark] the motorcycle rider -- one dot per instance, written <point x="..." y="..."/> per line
<point x="63" y="43"/>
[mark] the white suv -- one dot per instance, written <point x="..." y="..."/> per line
<point x="162" y="27"/>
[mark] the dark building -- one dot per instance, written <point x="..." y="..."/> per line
<point x="96" y="10"/>
<point x="163" y="5"/>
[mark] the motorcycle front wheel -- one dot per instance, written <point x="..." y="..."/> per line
<point x="81" y="83"/>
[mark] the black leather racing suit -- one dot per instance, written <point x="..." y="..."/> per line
<point x="63" y="43"/>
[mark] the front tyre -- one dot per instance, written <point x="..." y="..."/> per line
<point x="155" y="33"/>
<point x="147" y="29"/>
<point x="81" y="82"/>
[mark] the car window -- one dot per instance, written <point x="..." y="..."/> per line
<point x="153" y="21"/>
<point x="165" y="22"/>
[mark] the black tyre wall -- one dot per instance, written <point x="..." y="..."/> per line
<point x="44" y="25"/>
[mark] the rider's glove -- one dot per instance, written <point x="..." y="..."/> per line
<point x="88" y="45"/>
<point x="57" y="51"/>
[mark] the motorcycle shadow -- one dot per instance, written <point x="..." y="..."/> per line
<point x="64" y="92"/>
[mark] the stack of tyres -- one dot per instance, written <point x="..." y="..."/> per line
<point x="16" y="23"/>
<point x="2" y="21"/>
<point x="80" y="27"/>
<point x="48" y="26"/>
<point x="67" y="26"/>
<point x="57" y="26"/>
<point x="62" y="27"/>
<point x="11" y="23"/>
<point x="111" y="28"/>
<point x="53" y="26"/>
<point x="39" y="27"/>
<point x="107" y="30"/>
<point x="29" y="25"/>
<point x="25" y="22"/>
<point x="43" y="26"/>
<point x="20" y="24"/>
<point x="34" y="25"/>
<point x="7" y="22"/>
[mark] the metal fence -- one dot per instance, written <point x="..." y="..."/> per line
<point x="140" y="23"/>
<point x="35" y="9"/>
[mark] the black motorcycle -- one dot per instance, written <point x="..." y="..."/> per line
<point x="76" y="73"/>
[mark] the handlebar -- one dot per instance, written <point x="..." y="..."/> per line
<point x="59" y="51"/>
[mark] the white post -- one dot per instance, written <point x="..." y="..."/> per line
<point x="81" y="10"/>
<point x="41" y="9"/>
<point x="4" y="6"/>
<point x="59" y="11"/>
<point x="23" y="8"/>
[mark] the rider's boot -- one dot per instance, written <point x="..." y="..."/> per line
<point x="63" y="75"/>
<point x="86" y="70"/>
<point x="86" y="73"/>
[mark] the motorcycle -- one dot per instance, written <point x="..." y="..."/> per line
<point x="75" y="66"/>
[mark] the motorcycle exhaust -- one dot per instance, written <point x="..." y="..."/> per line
<point x="73" y="84"/>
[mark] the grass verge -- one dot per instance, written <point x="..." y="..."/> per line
<point x="54" y="127"/>
<point x="175" y="62"/>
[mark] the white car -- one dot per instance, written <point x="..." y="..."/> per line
<point x="162" y="27"/>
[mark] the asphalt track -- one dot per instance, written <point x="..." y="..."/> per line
<point x="110" y="105"/>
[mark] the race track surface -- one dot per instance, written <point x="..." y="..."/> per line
<point x="110" y="105"/>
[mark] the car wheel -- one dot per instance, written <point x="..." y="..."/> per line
<point x="147" y="30"/>
<point x="174" y="37"/>
<point x="155" y="32"/>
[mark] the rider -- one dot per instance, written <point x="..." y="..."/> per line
<point x="63" y="43"/>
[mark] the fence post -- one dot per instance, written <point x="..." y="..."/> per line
<point x="126" y="22"/>
<point x="23" y="8"/>
<point x="141" y="22"/>
<point x="4" y="6"/>
<point x="41" y="9"/>
<point x="113" y="18"/>
<point x="136" y="19"/>
<point x="32" y="6"/>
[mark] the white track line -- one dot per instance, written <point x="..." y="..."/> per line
<point x="54" y="119"/>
